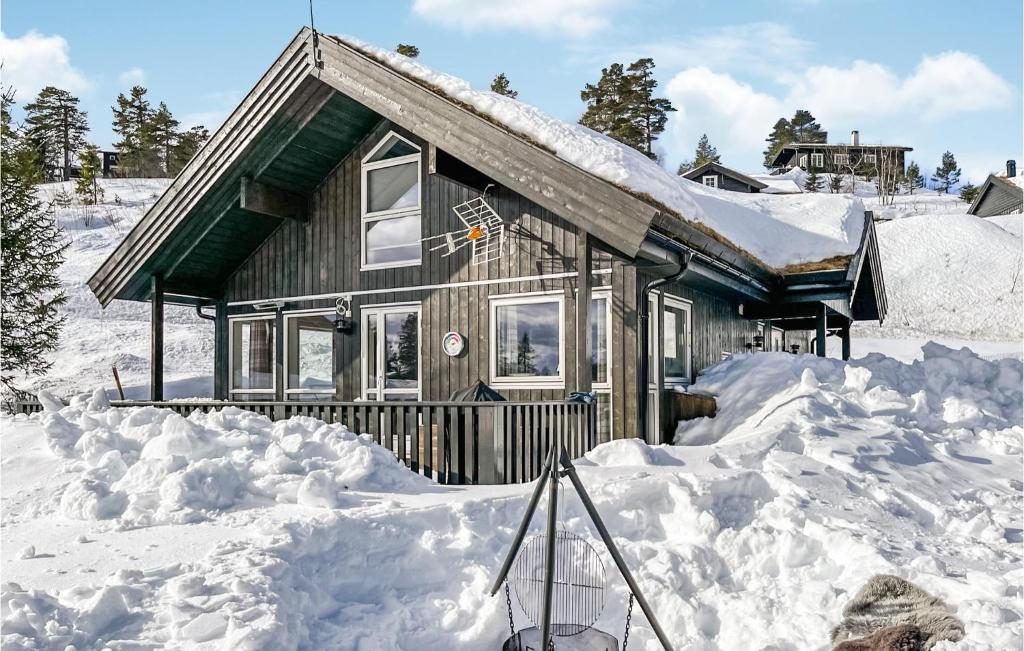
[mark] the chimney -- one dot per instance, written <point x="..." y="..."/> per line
<point x="855" y="138"/>
<point x="1011" y="169"/>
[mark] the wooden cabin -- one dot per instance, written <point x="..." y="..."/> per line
<point x="999" y="195"/>
<point x="840" y="158"/>
<point x="302" y="229"/>
<point x="715" y="175"/>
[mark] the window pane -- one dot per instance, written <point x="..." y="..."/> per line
<point x="674" y="343"/>
<point x="392" y="188"/>
<point x="528" y="340"/>
<point x="604" y="417"/>
<point x="393" y="148"/>
<point x="598" y="340"/>
<point x="252" y="354"/>
<point x="311" y="352"/>
<point x="392" y="240"/>
<point x="401" y="350"/>
<point x="371" y="351"/>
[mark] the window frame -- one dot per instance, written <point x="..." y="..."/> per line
<point x="713" y="178"/>
<point x="231" y="357"/>
<point x="606" y="296"/>
<point x="803" y="161"/>
<point x="841" y="159"/>
<point x="287" y="360"/>
<point x="820" y="158"/>
<point x="532" y="382"/>
<point x="365" y="218"/>
<point x="378" y="310"/>
<point x="686" y="306"/>
<point x="869" y="159"/>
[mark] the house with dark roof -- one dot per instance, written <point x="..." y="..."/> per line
<point x="715" y="175"/>
<point x="1000" y="195"/>
<point x="369" y="237"/>
<point x="840" y="158"/>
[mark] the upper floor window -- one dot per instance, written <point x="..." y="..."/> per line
<point x="711" y="181"/>
<point x="841" y="159"/>
<point x="391" y="202"/>
<point x="817" y="160"/>
<point x="869" y="159"/>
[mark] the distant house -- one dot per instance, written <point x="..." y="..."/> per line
<point x="109" y="163"/>
<point x="719" y="176"/>
<point x="838" y="158"/>
<point x="1000" y="195"/>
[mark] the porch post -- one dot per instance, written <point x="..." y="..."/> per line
<point x="584" y="287"/>
<point x="845" y="334"/>
<point x="156" y="340"/>
<point x="220" y="352"/>
<point x="819" y="339"/>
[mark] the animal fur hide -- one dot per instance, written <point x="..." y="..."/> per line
<point x="887" y="602"/>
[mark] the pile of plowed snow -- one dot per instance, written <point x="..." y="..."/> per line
<point x="814" y="476"/>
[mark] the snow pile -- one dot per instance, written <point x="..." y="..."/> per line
<point x="815" y="475"/>
<point x="147" y="466"/>
<point x="771" y="231"/>
<point x="789" y="182"/>
<point x="951" y="275"/>
<point x="94" y="339"/>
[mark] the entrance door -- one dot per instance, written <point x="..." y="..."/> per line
<point x="391" y="352"/>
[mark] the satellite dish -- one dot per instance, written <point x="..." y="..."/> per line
<point x="579" y="583"/>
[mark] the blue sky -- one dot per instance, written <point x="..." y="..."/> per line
<point x="933" y="75"/>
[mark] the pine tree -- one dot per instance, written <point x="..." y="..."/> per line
<point x="526" y="356"/>
<point x="812" y="183"/>
<point x="87" y="186"/>
<point x="684" y="167"/>
<point x="189" y="143"/>
<point x="57" y="127"/>
<point x="405" y="49"/>
<point x="32" y="252"/>
<point x="163" y="135"/>
<point x="948" y="174"/>
<point x="622" y="105"/>
<point x="913" y="178"/>
<point x="968" y="192"/>
<point x="781" y="135"/>
<point x="806" y="128"/>
<point x="500" y="85"/>
<point x="137" y="155"/>
<point x="705" y="153"/>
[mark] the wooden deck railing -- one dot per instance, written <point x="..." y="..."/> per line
<point x="451" y="442"/>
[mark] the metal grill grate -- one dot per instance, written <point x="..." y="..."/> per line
<point x="579" y="583"/>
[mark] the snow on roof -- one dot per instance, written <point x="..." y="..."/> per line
<point x="779" y="232"/>
<point x="789" y="182"/>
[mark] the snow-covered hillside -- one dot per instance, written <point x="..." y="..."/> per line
<point x="93" y="339"/>
<point x="138" y="528"/>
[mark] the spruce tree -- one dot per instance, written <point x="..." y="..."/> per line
<point x="947" y="174"/>
<point x="781" y="135"/>
<point x="405" y="49"/>
<point x="914" y="178"/>
<point x="622" y="105"/>
<point x="501" y="86"/>
<point x="32" y="252"/>
<point x="57" y="127"/>
<point x="705" y="153"/>
<point x="87" y="186"/>
<point x="968" y="192"/>
<point x="188" y="144"/>
<point x="812" y="183"/>
<point x="835" y="183"/>
<point x="133" y="116"/>
<point x="163" y="136"/>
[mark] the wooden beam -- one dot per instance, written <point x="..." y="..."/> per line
<point x="267" y="200"/>
<point x="844" y="334"/>
<point x="584" y="287"/>
<point x="220" y="351"/>
<point x="820" y="331"/>
<point x="156" y="340"/>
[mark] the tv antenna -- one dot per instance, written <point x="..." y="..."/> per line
<point x="483" y="232"/>
<point x="318" y="57"/>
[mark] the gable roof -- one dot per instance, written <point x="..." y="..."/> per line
<point x="697" y="172"/>
<point x="790" y="149"/>
<point x="301" y="119"/>
<point x="1010" y="189"/>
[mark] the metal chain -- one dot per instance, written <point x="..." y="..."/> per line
<point x="508" y="600"/>
<point x="629" y="616"/>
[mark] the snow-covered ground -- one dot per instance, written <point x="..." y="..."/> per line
<point x="136" y="528"/>
<point x="93" y="339"/>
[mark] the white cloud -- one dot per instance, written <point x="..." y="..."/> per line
<point x="955" y="82"/>
<point x="132" y="76"/>
<point x="574" y="18"/>
<point x="35" y="60"/>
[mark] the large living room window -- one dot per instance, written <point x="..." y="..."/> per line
<point x="252" y="355"/>
<point x="527" y="340"/>
<point x="391" y="204"/>
<point x="309" y="352"/>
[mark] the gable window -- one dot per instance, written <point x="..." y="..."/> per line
<point x="309" y="352"/>
<point x="391" y="201"/>
<point x="527" y="340"/>
<point x="841" y="159"/>
<point x="252" y="347"/>
<point x="675" y="347"/>
<point x="817" y="160"/>
<point x="711" y="180"/>
<point x="869" y="159"/>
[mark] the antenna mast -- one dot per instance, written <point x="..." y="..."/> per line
<point x="318" y="57"/>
